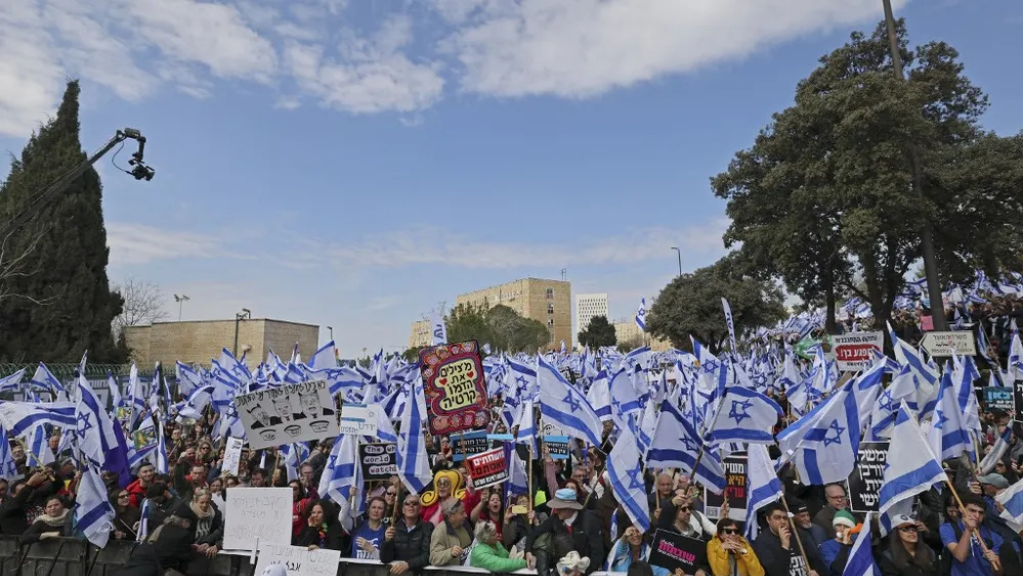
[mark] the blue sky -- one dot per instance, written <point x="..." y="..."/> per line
<point x="357" y="163"/>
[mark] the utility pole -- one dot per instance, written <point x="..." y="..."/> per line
<point x="245" y="314"/>
<point x="931" y="268"/>
<point x="679" y="256"/>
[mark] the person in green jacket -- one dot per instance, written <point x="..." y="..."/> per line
<point x="489" y="554"/>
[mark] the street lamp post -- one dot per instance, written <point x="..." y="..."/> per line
<point x="245" y="314"/>
<point x="180" y="299"/>
<point x="679" y="257"/>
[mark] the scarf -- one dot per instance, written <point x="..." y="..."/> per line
<point x="54" y="521"/>
<point x="204" y="524"/>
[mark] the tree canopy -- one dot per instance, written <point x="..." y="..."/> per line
<point x="826" y="198"/>
<point x="62" y="304"/>
<point x="500" y="326"/>
<point x="691" y="304"/>
<point x="599" y="332"/>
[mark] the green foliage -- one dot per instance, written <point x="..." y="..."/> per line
<point x="691" y="304"/>
<point x="827" y="198"/>
<point x="597" y="334"/>
<point x="630" y="344"/>
<point x="500" y="326"/>
<point x="62" y="305"/>
<point x="412" y="354"/>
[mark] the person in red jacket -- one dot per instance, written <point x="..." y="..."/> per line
<point x="137" y="489"/>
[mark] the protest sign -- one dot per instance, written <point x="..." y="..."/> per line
<point x="856" y="351"/>
<point x="232" y="456"/>
<point x="468" y="444"/>
<point x="959" y="342"/>
<point x="488" y="468"/>
<point x="456" y="394"/>
<point x="298" y="560"/>
<point x="254" y="515"/>
<point x="557" y="446"/>
<point x="359" y="419"/>
<point x="866" y="479"/>
<point x="378" y="460"/>
<point x="288" y="414"/>
<point x="735" y="467"/>
<point x="671" y="551"/>
<point x="996" y="397"/>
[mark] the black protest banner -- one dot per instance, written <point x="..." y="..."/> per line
<point x="866" y="479"/>
<point x="998" y="398"/>
<point x="469" y="443"/>
<point x="735" y="467"/>
<point x="672" y="551"/>
<point x="488" y="468"/>
<point x="377" y="460"/>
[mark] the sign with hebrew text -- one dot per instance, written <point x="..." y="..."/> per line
<point x="866" y="479"/>
<point x="456" y="394"/>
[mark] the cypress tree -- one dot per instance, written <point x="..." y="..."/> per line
<point x="62" y="305"/>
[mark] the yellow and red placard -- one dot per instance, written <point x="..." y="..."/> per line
<point x="453" y="379"/>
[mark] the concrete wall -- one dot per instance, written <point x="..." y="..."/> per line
<point x="199" y="341"/>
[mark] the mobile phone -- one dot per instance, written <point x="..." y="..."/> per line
<point x="519" y="509"/>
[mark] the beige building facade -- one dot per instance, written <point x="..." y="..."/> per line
<point x="199" y="341"/>
<point x="628" y="331"/>
<point x="420" y="335"/>
<point x="547" y="301"/>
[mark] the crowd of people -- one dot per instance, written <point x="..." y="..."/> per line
<point x="571" y="523"/>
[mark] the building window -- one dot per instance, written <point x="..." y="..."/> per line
<point x="550" y="293"/>
<point x="551" y="308"/>
<point x="551" y="322"/>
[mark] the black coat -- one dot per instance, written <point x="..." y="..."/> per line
<point x="586" y="536"/>
<point x="13" y="521"/>
<point x="310" y="536"/>
<point x="32" y="534"/>
<point x="775" y="559"/>
<point x="412" y="546"/>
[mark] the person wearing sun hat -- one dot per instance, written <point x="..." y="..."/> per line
<point x="569" y="528"/>
<point x="843" y="524"/>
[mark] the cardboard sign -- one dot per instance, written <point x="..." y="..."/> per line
<point x="856" y="351"/>
<point x="456" y="394"/>
<point x="232" y="456"/>
<point x="359" y="419"/>
<point x="735" y="467"/>
<point x="866" y="479"/>
<point x="262" y="515"/>
<point x="378" y="460"/>
<point x="996" y="397"/>
<point x="960" y="342"/>
<point x="298" y="560"/>
<point x="468" y="444"/>
<point x="288" y="414"/>
<point x="487" y="469"/>
<point x="558" y="447"/>
<point x="672" y="551"/>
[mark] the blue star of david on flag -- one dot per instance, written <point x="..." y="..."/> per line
<point x="634" y="474"/>
<point x="838" y="438"/>
<point x="572" y="401"/>
<point x="83" y="424"/>
<point x="738" y="411"/>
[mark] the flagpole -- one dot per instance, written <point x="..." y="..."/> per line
<point x="700" y="453"/>
<point x="963" y="514"/>
<point x="799" y="542"/>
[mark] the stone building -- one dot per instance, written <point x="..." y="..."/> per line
<point x="200" y="340"/>
<point x="547" y="301"/>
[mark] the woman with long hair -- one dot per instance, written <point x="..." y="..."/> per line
<point x="491" y="508"/>
<point x="126" y="516"/>
<point x="300" y="504"/>
<point x="630" y="549"/>
<point x="54" y="522"/>
<point x="907" y="554"/>
<point x="319" y="529"/>
<point x="729" y="553"/>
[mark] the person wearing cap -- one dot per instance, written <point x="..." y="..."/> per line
<point x="991" y="485"/>
<point x="968" y="556"/>
<point x="907" y="554"/>
<point x="451" y="538"/>
<point x="568" y="528"/>
<point x="802" y="519"/>
<point x="831" y="549"/>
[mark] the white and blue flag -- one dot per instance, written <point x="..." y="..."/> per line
<point x="911" y="467"/>
<point x="565" y="406"/>
<point x="1002" y="443"/>
<point x="823" y="444"/>
<point x="1012" y="500"/>
<point x="94" y="515"/>
<point x="12" y="383"/>
<point x="626" y="476"/>
<point x="763" y="483"/>
<point x="641" y="315"/>
<point x="17" y="418"/>
<point x="861" y="561"/>
<point x="675" y="444"/>
<point x="411" y="453"/>
<point x="744" y="416"/>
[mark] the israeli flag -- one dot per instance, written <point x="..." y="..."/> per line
<point x="861" y="562"/>
<point x="518" y="483"/>
<point x="744" y="416"/>
<point x="988" y="463"/>
<point x="324" y="358"/>
<point x="823" y="444"/>
<point x="438" y="329"/>
<point x="626" y="477"/>
<point x="763" y="483"/>
<point x="675" y="444"/>
<point x="729" y="324"/>
<point x="411" y="453"/>
<point x="641" y="315"/>
<point x="599" y="396"/>
<point x="624" y="400"/>
<point x="527" y="431"/>
<point x="1012" y="500"/>
<point x="565" y="406"/>
<point x="46" y="381"/>
<point x="12" y="383"/>
<point x="188" y="379"/>
<point x="8" y="468"/>
<point x="911" y="467"/>
<point x="947" y="436"/>
<point x="345" y="474"/>
<point x="18" y="417"/>
<point x="94" y="515"/>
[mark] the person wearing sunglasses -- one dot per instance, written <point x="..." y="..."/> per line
<point x="406" y="548"/>
<point x="729" y="553"/>
<point x="907" y="554"/>
<point x="126" y="516"/>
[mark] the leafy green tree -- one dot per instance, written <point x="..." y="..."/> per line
<point x="630" y="344"/>
<point x="827" y="197"/>
<point x="61" y="305"/>
<point x="599" y="332"/>
<point x="500" y="326"/>
<point x="691" y="304"/>
<point x="468" y="322"/>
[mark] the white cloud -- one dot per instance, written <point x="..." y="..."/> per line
<point x="425" y="245"/>
<point x="134" y="244"/>
<point x="30" y="75"/>
<point x="585" y="47"/>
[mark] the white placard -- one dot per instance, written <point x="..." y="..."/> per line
<point x="298" y="561"/>
<point x="232" y="456"/>
<point x="293" y="413"/>
<point x="960" y="342"/>
<point x="257" y="514"/>
<point x="359" y="419"/>
<point x="856" y="351"/>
